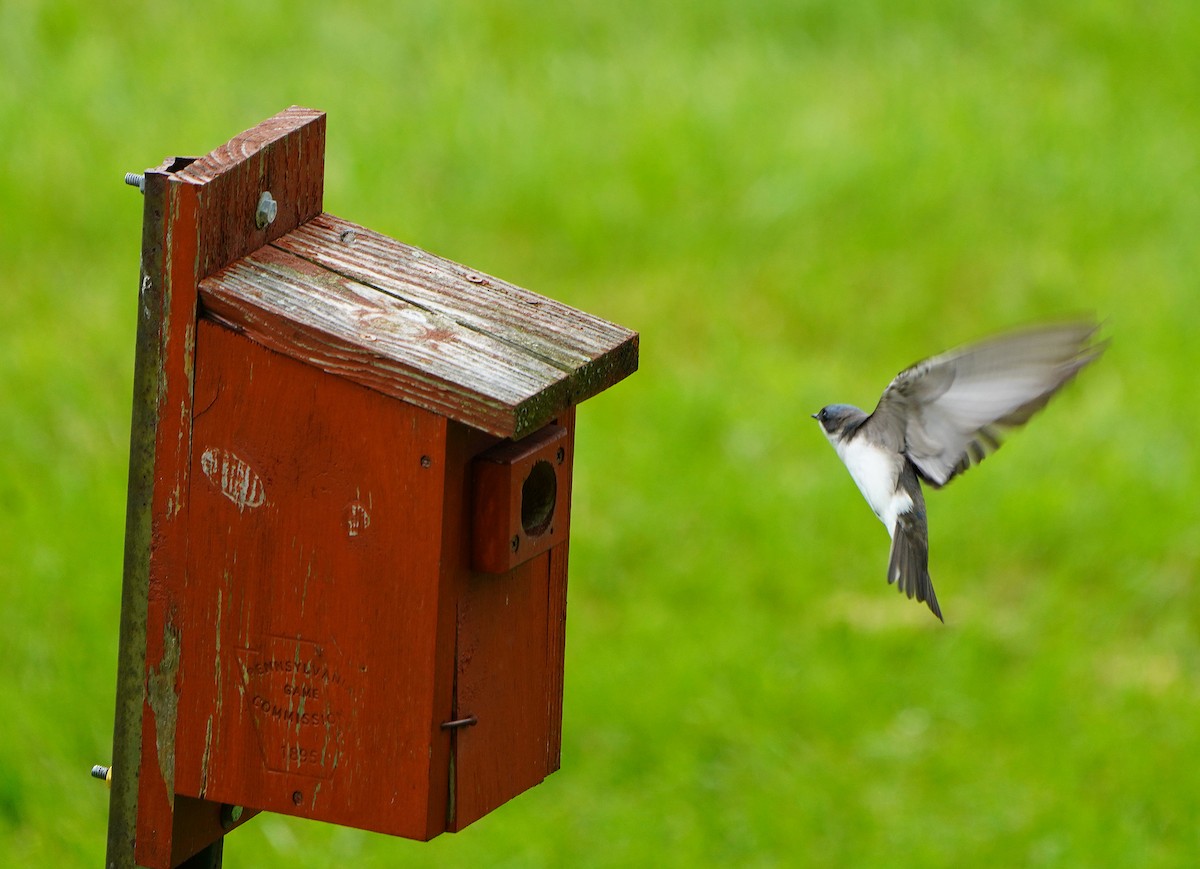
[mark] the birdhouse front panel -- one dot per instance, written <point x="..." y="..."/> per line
<point x="309" y="624"/>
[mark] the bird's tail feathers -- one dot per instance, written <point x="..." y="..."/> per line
<point x="908" y="563"/>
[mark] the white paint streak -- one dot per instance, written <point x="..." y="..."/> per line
<point x="357" y="517"/>
<point x="234" y="477"/>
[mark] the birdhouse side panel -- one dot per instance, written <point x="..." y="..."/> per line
<point x="511" y="633"/>
<point x="504" y="685"/>
<point x="310" y="615"/>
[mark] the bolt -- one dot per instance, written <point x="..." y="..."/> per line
<point x="560" y="455"/>
<point x="136" y="179"/>
<point x="516" y="542"/>
<point x="297" y="797"/>
<point x="230" y="815"/>
<point x="426" y="461"/>
<point x="104" y="773"/>
<point x="264" y="215"/>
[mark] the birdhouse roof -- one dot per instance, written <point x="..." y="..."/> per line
<point x="413" y="325"/>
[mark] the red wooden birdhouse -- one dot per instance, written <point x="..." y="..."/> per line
<point x="350" y="505"/>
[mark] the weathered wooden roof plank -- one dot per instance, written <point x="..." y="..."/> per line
<point x="413" y="325"/>
<point x="562" y="335"/>
<point x="352" y="330"/>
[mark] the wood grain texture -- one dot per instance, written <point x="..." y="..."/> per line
<point x="350" y="329"/>
<point x="510" y="634"/>
<point x="462" y="444"/>
<point x="473" y="347"/>
<point x="570" y="339"/>
<point x="174" y="312"/>
<point x="556" y="649"/>
<point x="285" y="156"/>
<point x="556" y="615"/>
<point x="309" y="616"/>
<point x="201" y="214"/>
<point x="128" y="746"/>
<point x="331" y="621"/>
<point x="502" y="681"/>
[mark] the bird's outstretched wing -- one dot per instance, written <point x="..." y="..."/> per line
<point x="950" y="411"/>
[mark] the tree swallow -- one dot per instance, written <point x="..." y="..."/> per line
<point x="940" y="417"/>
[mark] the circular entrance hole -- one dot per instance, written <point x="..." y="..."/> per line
<point x="538" y="494"/>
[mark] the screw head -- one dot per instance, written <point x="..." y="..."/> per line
<point x="267" y="209"/>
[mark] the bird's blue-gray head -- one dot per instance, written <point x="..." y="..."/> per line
<point x="836" y="418"/>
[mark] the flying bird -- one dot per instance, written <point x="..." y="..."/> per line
<point x="941" y="416"/>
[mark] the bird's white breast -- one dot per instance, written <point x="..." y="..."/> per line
<point x="875" y="472"/>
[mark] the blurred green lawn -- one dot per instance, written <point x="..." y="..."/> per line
<point x="791" y="201"/>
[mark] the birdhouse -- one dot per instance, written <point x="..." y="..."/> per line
<point x="350" y="511"/>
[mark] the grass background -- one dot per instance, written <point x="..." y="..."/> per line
<point x="791" y="201"/>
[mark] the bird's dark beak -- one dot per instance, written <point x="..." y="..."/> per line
<point x="815" y="416"/>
